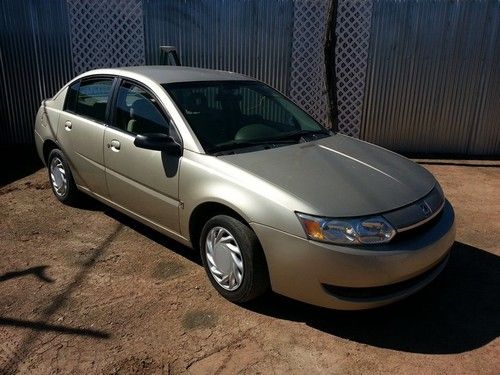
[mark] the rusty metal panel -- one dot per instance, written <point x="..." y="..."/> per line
<point x="35" y="61"/>
<point x="249" y="37"/>
<point x="433" y="77"/>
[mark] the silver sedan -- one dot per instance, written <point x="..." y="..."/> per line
<point x="229" y="166"/>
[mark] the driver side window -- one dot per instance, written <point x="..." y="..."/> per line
<point x="138" y="112"/>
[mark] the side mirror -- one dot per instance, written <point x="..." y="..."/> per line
<point x="158" y="142"/>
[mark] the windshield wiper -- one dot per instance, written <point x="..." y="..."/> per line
<point x="287" y="138"/>
<point x="232" y="145"/>
<point x="301" y="133"/>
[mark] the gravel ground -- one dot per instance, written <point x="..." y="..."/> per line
<point x="87" y="290"/>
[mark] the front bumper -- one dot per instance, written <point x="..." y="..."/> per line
<point x="352" y="278"/>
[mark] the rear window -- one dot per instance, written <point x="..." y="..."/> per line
<point x="89" y="98"/>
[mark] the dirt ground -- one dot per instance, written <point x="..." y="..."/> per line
<point x="87" y="290"/>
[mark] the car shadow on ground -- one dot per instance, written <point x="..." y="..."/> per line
<point x="169" y="244"/>
<point x="456" y="313"/>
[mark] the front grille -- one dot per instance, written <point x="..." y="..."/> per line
<point x="410" y="234"/>
<point x="378" y="292"/>
<point x="417" y="213"/>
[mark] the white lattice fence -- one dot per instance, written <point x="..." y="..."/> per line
<point x="110" y="33"/>
<point x="307" y="82"/>
<point x="106" y="33"/>
<point x="307" y="76"/>
<point x="353" y="38"/>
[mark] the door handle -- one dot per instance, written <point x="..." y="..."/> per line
<point x="114" y="145"/>
<point x="68" y="125"/>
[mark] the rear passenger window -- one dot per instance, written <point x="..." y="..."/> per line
<point x="92" y="98"/>
<point x="71" y="96"/>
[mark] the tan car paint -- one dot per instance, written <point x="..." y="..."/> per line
<point x="47" y="120"/>
<point x="81" y="141"/>
<point x="135" y="182"/>
<point x="298" y="266"/>
<point x="206" y="178"/>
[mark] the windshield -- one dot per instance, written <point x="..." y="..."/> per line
<point x="236" y="115"/>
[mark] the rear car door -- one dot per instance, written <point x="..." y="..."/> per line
<point x="81" y="131"/>
<point x="142" y="181"/>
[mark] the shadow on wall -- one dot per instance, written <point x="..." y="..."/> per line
<point x="18" y="162"/>
<point x="458" y="312"/>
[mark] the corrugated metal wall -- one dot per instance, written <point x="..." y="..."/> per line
<point x="35" y="62"/>
<point x="249" y="37"/>
<point x="432" y="81"/>
<point x="433" y="78"/>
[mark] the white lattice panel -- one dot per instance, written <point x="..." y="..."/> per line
<point x="353" y="38"/>
<point x="307" y="80"/>
<point x="307" y="83"/>
<point x="106" y="33"/>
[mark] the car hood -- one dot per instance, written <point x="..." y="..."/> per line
<point x="339" y="176"/>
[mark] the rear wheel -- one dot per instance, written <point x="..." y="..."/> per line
<point x="61" y="179"/>
<point x="233" y="259"/>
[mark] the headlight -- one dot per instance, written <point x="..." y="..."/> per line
<point x="367" y="230"/>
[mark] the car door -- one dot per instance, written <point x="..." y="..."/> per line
<point x="81" y="131"/>
<point x="142" y="181"/>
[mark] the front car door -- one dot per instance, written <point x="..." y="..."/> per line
<point x="81" y="131"/>
<point x="143" y="182"/>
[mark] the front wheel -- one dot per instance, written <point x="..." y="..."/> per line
<point x="233" y="259"/>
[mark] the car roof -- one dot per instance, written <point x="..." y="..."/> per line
<point x="170" y="74"/>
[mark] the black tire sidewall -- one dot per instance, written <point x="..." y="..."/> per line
<point x="255" y="278"/>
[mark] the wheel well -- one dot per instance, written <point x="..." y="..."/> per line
<point x="48" y="146"/>
<point x="203" y="213"/>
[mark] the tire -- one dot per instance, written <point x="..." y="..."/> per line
<point x="61" y="179"/>
<point x="255" y="278"/>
